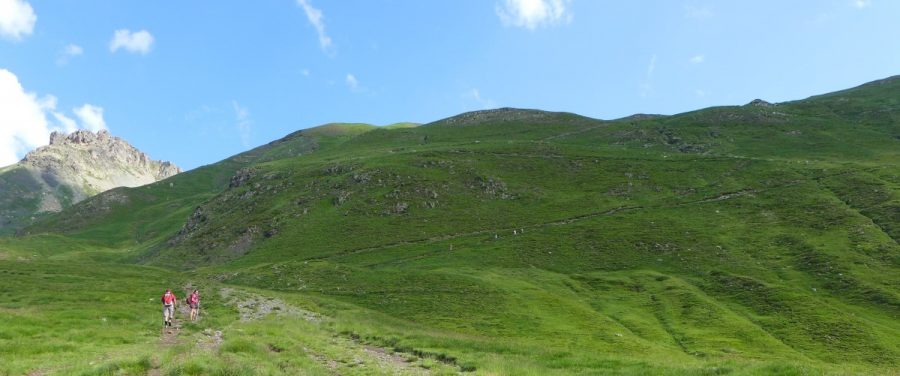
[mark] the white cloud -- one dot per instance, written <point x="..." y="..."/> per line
<point x="26" y="120"/>
<point x="73" y="50"/>
<point x="862" y="3"/>
<point x="651" y="67"/>
<point x="68" y="52"/>
<point x="66" y="123"/>
<point x="243" y="122"/>
<point x="474" y="97"/>
<point x="17" y="19"/>
<point x="137" y="42"/>
<point x="91" y="117"/>
<point x="532" y="14"/>
<point x="316" y="18"/>
<point x="24" y="125"/>
<point x="352" y="82"/>
<point x="691" y="11"/>
<point x="646" y="85"/>
<point x="697" y="59"/>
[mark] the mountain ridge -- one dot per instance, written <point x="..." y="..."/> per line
<point x="71" y="168"/>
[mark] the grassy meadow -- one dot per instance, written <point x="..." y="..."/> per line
<point x="751" y="240"/>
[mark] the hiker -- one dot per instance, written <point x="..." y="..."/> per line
<point x="168" y="300"/>
<point x="194" y="302"/>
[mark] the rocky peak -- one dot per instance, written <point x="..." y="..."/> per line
<point x="57" y="138"/>
<point x="81" y="136"/>
<point x="96" y="161"/>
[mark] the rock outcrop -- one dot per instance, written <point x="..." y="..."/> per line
<point x="760" y="103"/>
<point x="97" y="162"/>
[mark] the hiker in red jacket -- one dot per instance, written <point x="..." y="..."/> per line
<point x="168" y="300"/>
<point x="194" y="302"/>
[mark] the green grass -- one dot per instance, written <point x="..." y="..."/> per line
<point x="71" y="314"/>
<point x="18" y="200"/>
<point x="731" y="240"/>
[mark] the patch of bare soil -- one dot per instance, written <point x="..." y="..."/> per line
<point x="375" y="359"/>
<point x="329" y="363"/>
<point x="169" y="335"/>
<point x="211" y="340"/>
<point x="394" y="360"/>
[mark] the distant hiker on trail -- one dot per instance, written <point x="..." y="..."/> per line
<point x="194" y="301"/>
<point x="168" y="300"/>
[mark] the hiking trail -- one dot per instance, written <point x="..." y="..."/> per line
<point x="353" y="355"/>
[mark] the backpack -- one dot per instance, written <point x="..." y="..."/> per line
<point x="168" y="298"/>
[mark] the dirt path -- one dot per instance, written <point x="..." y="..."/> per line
<point x="169" y="336"/>
<point x="377" y="359"/>
<point x="252" y="306"/>
<point x="572" y="133"/>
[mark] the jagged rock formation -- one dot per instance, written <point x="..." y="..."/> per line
<point x="71" y="168"/>
<point x="97" y="162"/>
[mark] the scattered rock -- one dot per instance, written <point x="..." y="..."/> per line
<point x="760" y="103"/>
<point x="497" y="115"/>
<point x="492" y="186"/>
<point x="241" y="177"/>
<point x="254" y="307"/>
<point x="211" y="340"/>
<point x="337" y="169"/>
<point x="341" y="198"/>
<point x="400" y="207"/>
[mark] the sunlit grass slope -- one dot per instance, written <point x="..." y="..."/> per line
<point x="757" y="239"/>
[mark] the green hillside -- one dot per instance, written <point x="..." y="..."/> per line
<point x="20" y="200"/>
<point x="756" y="239"/>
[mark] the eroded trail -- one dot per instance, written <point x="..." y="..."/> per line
<point x="331" y="352"/>
<point x="340" y="355"/>
<point x="169" y="335"/>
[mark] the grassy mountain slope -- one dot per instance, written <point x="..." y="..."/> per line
<point x="757" y="239"/>
<point x="19" y="200"/>
<point x="148" y="215"/>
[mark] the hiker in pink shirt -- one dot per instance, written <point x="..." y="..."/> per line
<point x="194" y="301"/>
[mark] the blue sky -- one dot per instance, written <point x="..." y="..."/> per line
<point x="194" y="82"/>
